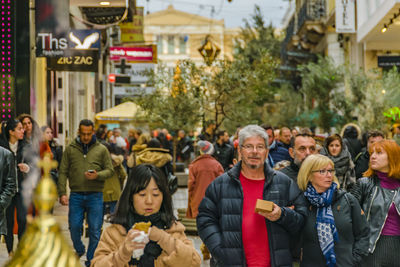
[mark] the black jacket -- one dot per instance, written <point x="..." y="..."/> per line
<point x="224" y="154"/>
<point x="352" y="228"/>
<point x="362" y="163"/>
<point x="184" y="148"/>
<point x="375" y="202"/>
<point x="7" y="185"/>
<point x="219" y="221"/>
<point x="292" y="171"/>
<point x="23" y="156"/>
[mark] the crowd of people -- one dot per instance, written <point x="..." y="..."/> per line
<point x="334" y="201"/>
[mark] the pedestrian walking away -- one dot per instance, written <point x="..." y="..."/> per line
<point x="86" y="164"/>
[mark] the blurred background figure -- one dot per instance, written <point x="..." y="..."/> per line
<point x="184" y="148"/>
<point x="101" y="134"/>
<point x="157" y="156"/>
<point x="202" y="171"/>
<point x="113" y="185"/>
<point x="378" y="195"/>
<point x="362" y="159"/>
<point x="55" y="149"/>
<point x="223" y="151"/>
<point x="335" y="149"/>
<point x="351" y="134"/>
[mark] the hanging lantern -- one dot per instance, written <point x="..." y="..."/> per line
<point x="209" y="50"/>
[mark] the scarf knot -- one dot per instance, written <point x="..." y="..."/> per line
<point x="325" y="222"/>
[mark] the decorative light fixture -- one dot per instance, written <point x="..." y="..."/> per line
<point x="105" y="3"/>
<point x="384" y="29"/>
<point x="7" y="59"/>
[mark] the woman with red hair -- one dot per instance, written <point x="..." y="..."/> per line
<point x="379" y="196"/>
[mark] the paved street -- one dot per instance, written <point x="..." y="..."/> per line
<point x="61" y="214"/>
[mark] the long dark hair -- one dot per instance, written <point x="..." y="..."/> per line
<point x="7" y="126"/>
<point x="139" y="178"/>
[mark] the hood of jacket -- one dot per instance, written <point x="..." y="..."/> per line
<point x="156" y="156"/>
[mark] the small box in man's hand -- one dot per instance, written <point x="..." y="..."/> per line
<point x="264" y="206"/>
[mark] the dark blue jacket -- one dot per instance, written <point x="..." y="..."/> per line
<point x="277" y="153"/>
<point x="219" y="221"/>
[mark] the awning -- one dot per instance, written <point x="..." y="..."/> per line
<point x="126" y="111"/>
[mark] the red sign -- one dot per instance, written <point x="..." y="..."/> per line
<point x="111" y="78"/>
<point x="142" y="54"/>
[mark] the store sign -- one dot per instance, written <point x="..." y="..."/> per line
<point x="345" y="16"/>
<point x="388" y="61"/>
<point x="140" y="54"/>
<point x="132" y="90"/>
<point x="51" y="45"/>
<point x="138" y="72"/>
<point x="75" y="60"/>
<point x="132" y="32"/>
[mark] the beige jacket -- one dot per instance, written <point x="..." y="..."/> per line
<point x="177" y="249"/>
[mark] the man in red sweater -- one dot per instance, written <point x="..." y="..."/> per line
<point x="234" y="233"/>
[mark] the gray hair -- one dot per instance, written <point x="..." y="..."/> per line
<point x="252" y="130"/>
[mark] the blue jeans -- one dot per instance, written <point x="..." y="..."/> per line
<point x="92" y="204"/>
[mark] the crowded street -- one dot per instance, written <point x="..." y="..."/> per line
<point x="237" y="133"/>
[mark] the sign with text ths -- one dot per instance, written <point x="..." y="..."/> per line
<point x="345" y="16"/>
<point x="139" y="54"/>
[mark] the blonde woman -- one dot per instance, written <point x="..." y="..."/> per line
<point x="336" y="231"/>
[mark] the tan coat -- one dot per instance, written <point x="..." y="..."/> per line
<point x="113" y="186"/>
<point x="202" y="171"/>
<point x="177" y="249"/>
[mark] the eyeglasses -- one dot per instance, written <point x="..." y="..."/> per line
<point x="250" y="148"/>
<point x="325" y="172"/>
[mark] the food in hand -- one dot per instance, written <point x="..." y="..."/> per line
<point x="142" y="226"/>
<point x="264" y="206"/>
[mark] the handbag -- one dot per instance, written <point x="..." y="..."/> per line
<point x="172" y="183"/>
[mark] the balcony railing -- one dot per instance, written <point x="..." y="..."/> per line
<point x="313" y="10"/>
<point x="290" y="31"/>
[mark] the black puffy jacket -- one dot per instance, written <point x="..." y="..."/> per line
<point x="219" y="221"/>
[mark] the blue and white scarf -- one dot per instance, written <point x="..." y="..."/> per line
<point x="326" y="229"/>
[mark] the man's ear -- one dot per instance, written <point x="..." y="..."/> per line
<point x="291" y="152"/>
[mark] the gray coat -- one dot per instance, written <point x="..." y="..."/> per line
<point x="7" y="185"/>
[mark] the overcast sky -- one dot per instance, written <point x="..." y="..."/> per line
<point x="233" y="13"/>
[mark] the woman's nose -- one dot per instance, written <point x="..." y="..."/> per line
<point x="149" y="199"/>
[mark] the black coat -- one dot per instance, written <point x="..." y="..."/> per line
<point x="23" y="156"/>
<point x="219" y="221"/>
<point x="292" y="171"/>
<point x="352" y="228"/>
<point x="362" y="163"/>
<point x="7" y="185"/>
<point x="224" y="154"/>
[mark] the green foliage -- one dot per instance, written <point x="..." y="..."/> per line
<point x="175" y="103"/>
<point x="320" y="85"/>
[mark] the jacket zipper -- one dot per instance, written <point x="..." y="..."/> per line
<point x="376" y="241"/>
<point x="372" y="200"/>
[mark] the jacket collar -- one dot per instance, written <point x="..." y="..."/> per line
<point x="234" y="173"/>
